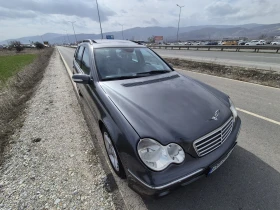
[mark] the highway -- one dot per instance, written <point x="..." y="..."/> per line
<point x="269" y="61"/>
<point x="250" y="178"/>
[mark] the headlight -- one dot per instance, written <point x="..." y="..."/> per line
<point x="156" y="156"/>
<point x="233" y="109"/>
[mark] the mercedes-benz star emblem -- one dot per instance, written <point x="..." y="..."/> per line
<point x="215" y="117"/>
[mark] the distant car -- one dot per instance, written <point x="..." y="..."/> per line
<point x="275" y="43"/>
<point x="242" y="42"/>
<point x="261" y="42"/>
<point x="211" y="43"/>
<point x="187" y="43"/>
<point x="197" y="43"/>
<point x="253" y="42"/>
<point x="229" y="42"/>
<point x="268" y="42"/>
<point x="161" y="128"/>
<point x="220" y="43"/>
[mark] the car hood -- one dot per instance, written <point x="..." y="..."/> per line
<point x="168" y="107"/>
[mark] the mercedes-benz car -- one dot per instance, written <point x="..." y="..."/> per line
<point x="161" y="128"/>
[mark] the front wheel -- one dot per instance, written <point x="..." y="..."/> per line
<point x="113" y="155"/>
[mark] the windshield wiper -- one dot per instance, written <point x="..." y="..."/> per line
<point x="120" y="77"/>
<point x="153" y="72"/>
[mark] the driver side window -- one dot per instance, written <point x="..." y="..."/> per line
<point x="85" y="63"/>
<point x="79" y="55"/>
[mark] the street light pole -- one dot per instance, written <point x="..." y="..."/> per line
<point x="179" y="21"/>
<point x="74" y="30"/>
<point x="67" y="36"/>
<point x="122" y="31"/>
<point x="99" y="19"/>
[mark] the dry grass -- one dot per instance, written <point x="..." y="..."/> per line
<point x="15" y="94"/>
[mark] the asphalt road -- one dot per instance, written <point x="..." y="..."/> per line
<point x="250" y="178"/>
<point x="269" y="61"/>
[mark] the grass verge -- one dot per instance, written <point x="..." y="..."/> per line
<point x="16" y="92"/>
<point x="258" y="76"/>
<point x="11" y="64"/>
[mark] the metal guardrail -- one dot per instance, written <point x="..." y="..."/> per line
<point x="221" y="47"/>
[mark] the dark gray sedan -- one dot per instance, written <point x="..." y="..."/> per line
<point x="161" y="129"/>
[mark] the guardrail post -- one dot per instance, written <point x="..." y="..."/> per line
<point x="208" y="48"/>
<point x="179" y="48"/>
<point x="277" y="50"/>
<point x="196" y="48"/>
<point x="171" y="48"/>
<point x="222" y="49"/>
<point x="255" y="50"/>
<point x="189" y="48"/>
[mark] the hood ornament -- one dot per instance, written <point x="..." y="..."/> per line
<point x="215" y="117"/>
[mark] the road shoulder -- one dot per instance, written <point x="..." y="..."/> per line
<point x="52" y="162"/>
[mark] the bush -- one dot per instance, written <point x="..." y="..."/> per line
<point x="17" y="45"/>
<point x="39" y="45"/>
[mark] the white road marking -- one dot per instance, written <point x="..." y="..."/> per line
<point x="254" y="56"/>
<point x="259" y="116"/>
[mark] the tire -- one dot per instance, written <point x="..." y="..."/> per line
<point x="112" y="154"/>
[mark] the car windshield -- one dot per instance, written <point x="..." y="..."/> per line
<point x="125" y="63"/>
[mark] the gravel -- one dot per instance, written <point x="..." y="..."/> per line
<point x="51" y="161"/>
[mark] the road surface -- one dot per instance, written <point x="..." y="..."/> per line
<point x="250" y="178"/>
<point x="269" y="61"/>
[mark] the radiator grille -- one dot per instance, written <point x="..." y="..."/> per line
<point x="213" y="140"/>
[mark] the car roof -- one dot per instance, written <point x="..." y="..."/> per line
<point x="104" y="43"/>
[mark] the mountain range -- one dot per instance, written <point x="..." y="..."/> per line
<point x="206" y="32"/>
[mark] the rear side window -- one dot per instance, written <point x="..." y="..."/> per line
<point x="79" y="55"/>
<point x="85" y="64"/>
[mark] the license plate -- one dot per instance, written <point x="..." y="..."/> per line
<point x="216" y="165"/>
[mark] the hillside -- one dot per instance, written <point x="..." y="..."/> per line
<point x="207" y="32"/>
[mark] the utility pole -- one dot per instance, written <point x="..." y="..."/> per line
<point x="74" y="30"/>
<point x="99" y="19"/>
<point x="67" y="36"/>
<point x="179" y="22"/>
<point x="41" y="39"/>
<point x="122" y="31"/>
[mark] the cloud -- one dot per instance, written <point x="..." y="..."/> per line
<point x="8" y="13"/>
<point x="69" y="8"/>
<point x="221" y="8"/>
<point x="152" y="21"/>
<point x="20" y="18"/>
<point x="237" y="11"/>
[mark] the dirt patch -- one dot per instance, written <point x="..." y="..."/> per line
<point x="16" y="93"/>
<point x="258" y="76"/>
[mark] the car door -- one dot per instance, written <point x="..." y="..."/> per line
<point x="87" y="89"/>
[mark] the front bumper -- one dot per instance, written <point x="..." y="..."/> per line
<point x="201" y="169"/>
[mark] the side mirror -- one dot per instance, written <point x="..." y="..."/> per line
<point x="81" y="78"/>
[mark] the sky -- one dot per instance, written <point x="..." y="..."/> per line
<point x="19" y="18"/>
